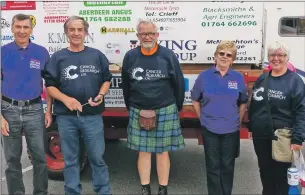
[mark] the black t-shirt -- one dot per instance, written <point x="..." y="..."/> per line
<point x="79" y="75"/>
<point x="286" y="99"/>
<point x="152" y="81"/>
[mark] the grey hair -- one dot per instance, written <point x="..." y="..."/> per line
<point x="146" y="22"/>
<point x="73" y="18"/>
<point x="279" y="45"/>
<point x="21" y="17"/>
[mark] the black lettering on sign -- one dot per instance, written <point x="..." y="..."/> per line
<point x="116" y="82"/>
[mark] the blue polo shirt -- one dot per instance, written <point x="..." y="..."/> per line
<point x="22" y="70"/>
<point x="220" y="98"/>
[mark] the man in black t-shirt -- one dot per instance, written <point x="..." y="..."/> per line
<point x="78" y="78"/>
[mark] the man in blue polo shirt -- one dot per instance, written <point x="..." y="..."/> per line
<point x="219" y="98"/>
<point x="21" y="106"/>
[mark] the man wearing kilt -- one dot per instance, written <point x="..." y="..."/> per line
<point x="153" y="87"/>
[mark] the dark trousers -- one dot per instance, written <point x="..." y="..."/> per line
<point x="273" y="174"/>
<point x="31" y="120"/>
<point x="220" y="153"/>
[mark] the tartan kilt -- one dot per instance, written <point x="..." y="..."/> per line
<point x="167" y="136"/>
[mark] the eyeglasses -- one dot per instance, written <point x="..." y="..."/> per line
<point x="277" y="55"/>
<point x="228" y="55"/>
<point x="149" y="34"/>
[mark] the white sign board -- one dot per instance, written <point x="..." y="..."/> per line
<point x="115" y="96"/>
<point x="191" y="29"/>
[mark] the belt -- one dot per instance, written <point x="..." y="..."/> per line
<point x="21" y="102"/>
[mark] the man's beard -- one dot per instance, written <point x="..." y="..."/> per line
<point x="148" y="45"/>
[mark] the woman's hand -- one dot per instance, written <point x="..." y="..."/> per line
<point x="295" y="147"/>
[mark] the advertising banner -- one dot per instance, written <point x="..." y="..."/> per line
<point x="191" y="30"/>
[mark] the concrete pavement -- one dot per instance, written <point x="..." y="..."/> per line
<point x="187" y="171"/>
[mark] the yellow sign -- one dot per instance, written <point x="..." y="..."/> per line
<point x="105" y="30"/>
<point x="33" y="20"/>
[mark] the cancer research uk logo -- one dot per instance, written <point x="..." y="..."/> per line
<point x="140" y="74"/>
<point x="256" y="95"/>
<point x="134" y="74"/>
<point x="71" y="71"/>
<point x="147" y="74"/>
<point x="112" y="48"/>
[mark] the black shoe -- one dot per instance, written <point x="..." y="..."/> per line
<point x="162" y="190"/>
<point x="146" y="190"/>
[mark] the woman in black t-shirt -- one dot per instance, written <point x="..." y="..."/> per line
<point x="286" y="92"/>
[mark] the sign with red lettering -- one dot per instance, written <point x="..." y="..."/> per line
<point x="18" y="5"/>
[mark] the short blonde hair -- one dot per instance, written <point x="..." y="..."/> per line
<point x="227" y="45"/>
<point x="278" y="45"/>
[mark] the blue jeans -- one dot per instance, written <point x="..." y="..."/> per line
<point x="31" y="120"/>
<point x="92" y="130"/>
